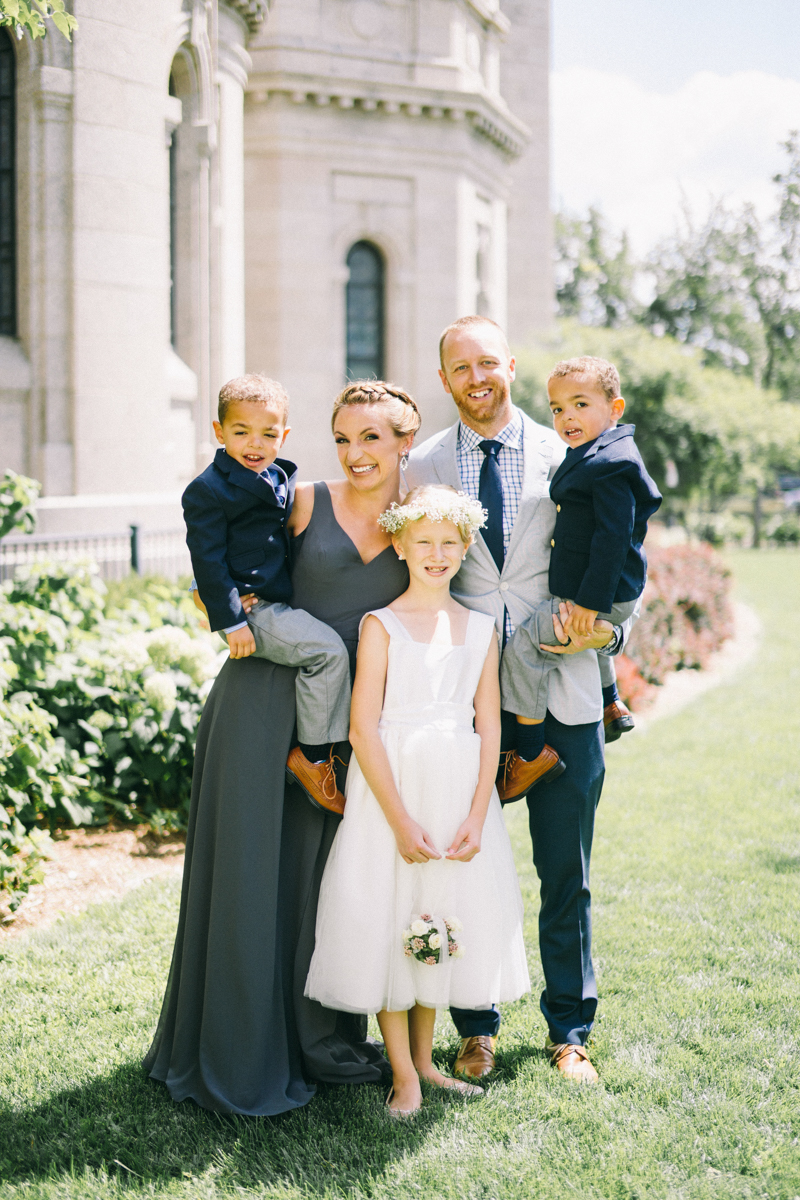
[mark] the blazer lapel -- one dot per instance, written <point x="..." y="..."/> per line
<point x="251" y="482"/>
<point x="444" y="461"/>
<point x="538" y="451"/>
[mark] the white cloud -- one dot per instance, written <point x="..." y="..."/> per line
<point x="635" y="153"/>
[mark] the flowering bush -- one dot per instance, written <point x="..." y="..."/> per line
<point x="686" y="616"/>
<point x="98" y="710"/>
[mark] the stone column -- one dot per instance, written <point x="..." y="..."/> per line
<point x="233" y="64"/>
<point x="524" y="83"/>
<point x="51" y="281"/>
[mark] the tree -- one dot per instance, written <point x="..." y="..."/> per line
<point x="728" y="285"/>
<point x="594" y="279"/>
<point x="706" y="434"/>
<point x="32" y="16"/>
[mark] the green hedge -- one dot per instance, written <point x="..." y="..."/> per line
<point x="99" y="704"/>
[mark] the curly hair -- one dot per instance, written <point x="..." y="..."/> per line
<point x="252" y="389"/>
<point x="599" y="370"/>
<point x="400" y="409"/>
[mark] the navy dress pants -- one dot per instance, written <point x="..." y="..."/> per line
<point x="561" y="819"/>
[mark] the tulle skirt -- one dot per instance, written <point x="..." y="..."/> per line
<point x="369" y="895"/>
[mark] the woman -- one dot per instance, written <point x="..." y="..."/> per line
<point x="236" y="1033"/>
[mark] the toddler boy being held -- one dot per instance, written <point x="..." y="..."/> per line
<point x="604" y="498"/>
<point x="237" y="515"/>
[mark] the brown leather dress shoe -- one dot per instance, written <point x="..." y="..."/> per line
<point x="318" y="780"/>
<point x="476" y="1057"/>
<point x="617" y="720"/>
<point x="571" y="1061"/>
<point x="516" y="776"/>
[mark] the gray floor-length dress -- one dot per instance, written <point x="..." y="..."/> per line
<point x="236" y="1033"/>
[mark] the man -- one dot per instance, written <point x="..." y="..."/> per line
<point x="499" y="455"/>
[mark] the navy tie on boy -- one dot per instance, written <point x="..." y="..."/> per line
<point x="490" y="494"/>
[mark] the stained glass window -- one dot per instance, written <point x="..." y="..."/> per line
<point x="365" y="312"/>
<point x="8" y="188"/>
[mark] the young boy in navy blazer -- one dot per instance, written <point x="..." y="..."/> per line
<point x="237" y="512"/>
<point x="604" y="498"/>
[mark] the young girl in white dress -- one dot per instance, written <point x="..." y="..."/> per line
<point x="420" y="905"/>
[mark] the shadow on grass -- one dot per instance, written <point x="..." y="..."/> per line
<point x="780" y="863"/>
<point x="127" y="1125"/>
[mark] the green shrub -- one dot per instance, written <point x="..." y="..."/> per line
<point x="124" y="689"/>
<point x="724" y="435"/>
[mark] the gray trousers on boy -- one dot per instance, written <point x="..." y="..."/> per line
<point x="525" y="668"/>
<point x="291" y="637"/>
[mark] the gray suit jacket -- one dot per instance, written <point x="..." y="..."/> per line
<point x="575" y="697"/>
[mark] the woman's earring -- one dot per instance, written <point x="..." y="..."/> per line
<point x="404" y="460"/>
<point x="401" y="557"/>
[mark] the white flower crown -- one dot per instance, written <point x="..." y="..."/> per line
<point x="461" y="509"/>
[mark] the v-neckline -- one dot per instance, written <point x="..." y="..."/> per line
<point x="350" y="540"/>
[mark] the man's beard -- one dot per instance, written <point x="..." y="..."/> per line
<point x="487" y="412"/>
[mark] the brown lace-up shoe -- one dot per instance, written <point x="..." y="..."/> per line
<point x="571" y="1061"/>
<point x="476" y="1057"/>
<point x="318" y="780"/>
<point x="516" y="776"/>
<point x="616" y="720"/>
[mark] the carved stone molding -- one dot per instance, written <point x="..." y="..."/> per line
<point x="254" y="12"/>
<point x="488" y="120"/>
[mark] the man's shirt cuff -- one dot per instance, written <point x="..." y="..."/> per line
<point x="233" y="628"/>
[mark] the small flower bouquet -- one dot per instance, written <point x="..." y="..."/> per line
<point x="423" y="939"/>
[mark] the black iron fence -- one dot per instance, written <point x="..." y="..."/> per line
<point x="143" y="551"/>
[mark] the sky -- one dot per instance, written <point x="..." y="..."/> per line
<point x="657" y="103"/>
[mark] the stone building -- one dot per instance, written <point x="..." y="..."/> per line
<point x="194" y="188"/>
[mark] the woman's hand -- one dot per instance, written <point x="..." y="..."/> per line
<point x="414" y="844"/>
<point x="467" y="842"/>
<point x="248" y="601"/>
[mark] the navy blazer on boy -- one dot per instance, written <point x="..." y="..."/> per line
<point x="237" y="537"/>
<point x="604" y="499"/>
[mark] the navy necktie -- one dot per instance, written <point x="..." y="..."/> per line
<point x="490" y="494"/>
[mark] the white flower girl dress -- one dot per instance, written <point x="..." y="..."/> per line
<point x="370" y="896"/>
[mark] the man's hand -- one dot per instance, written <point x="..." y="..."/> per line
<point x="241" y="643"/>
<point x="467" y="842"/>
<point x="601" y="636"/>
<point x="580" y="621"/>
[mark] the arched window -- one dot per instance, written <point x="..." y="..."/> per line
<point x="8" y="187"/>
<point x="365" y="312"/>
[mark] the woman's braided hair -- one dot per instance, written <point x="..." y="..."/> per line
<point x="399" y="408"/>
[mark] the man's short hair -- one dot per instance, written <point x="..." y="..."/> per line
<point x="468" y="323"/>
<point x="253" y="389"/>
<point x="599" y="370"/>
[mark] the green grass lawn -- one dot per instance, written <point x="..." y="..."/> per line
<point x="695" y="878"/>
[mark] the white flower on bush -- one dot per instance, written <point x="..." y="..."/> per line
<point x="170" y="646"/>
<point x="130" y="652"/>
<point x="161" y="691"/>
<point x="435" y="941"/>
<point x="101" y="720"/>
<point x="453" y="924"/>
<point x="418" y="928"/>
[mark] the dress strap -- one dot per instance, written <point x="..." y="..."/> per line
<point x="480" y="631"/>
<point x="392" y="624"/>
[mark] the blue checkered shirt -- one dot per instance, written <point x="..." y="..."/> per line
<point x="510" y="460"/>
